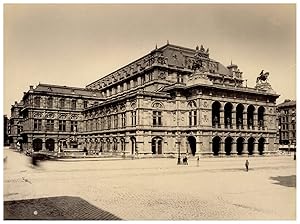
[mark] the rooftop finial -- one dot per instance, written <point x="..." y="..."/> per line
<point x="167" y="41"/>
<point x="156" y="47"/>
<point x="197" y="48"/>
<point x="231" y="62"/>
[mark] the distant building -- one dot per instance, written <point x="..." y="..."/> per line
<point x="6" y="130"/>
<point x="287" y="124"/>
<point x="172" y="101"/>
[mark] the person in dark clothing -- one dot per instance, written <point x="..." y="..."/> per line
<point x="247" y="165"/>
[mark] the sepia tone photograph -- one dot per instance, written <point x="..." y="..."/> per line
<point x="142" y="112"/>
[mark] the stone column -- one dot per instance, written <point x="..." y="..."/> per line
<point x="233" y="148"/>
<point x="245" y="120"/>
<point x="255" y="121"/>
<point x="222" y="122"/>
<point x="222" y="148"/>
<point x="255" y="150"/>
<point x="233" y="119"/>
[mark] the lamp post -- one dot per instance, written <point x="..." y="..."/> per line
<point x="178" y="145"/>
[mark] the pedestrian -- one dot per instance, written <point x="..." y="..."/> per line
<point x="198" y="161"/>
<point x="247" y="165"/>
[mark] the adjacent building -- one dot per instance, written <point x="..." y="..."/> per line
<point x="170" y="102"/>
<point x="287" y="124"/>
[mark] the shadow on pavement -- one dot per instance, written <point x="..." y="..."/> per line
<point x="287" y="181"/>
<point x="54" y="208"/>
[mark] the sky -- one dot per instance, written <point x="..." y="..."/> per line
<point x="74" y="45"/>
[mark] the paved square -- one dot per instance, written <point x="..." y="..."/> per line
<point x="158" y="189"/>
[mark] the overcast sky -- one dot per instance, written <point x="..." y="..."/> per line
<point x="75" y="45"/>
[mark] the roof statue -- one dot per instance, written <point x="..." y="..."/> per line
<point x="262" y="82"/>
<point x="263" y="77"/>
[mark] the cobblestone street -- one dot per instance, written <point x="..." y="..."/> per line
<point x="158" y="189"/>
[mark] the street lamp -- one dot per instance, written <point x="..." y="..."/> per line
<point x="178" y="145"/>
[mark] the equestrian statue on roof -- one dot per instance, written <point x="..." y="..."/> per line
<point x="263" y="77"/>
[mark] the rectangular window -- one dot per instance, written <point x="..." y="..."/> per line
<point x="123" y="117"/>
<point x="50" y="102"/>
<point x="116" y="121"/>
<point x="62" y="125"/>
<point x="37" y="125"/>
<point x="62" y="103"/>
<point x="50" y="125"/>
<point x="85" y="104"/>
<point x="73" y="105"/>
<point x="74" y="125"/>
<point x="157" y="118"/>
<point x="108" y="122"/>
<point x="133" y="118"/>
<point x="142" y="79"/>
<point x="37" y="102"/>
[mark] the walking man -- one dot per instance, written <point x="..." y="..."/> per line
<point x="247" y="165"/>
<point x="198" y="161"/>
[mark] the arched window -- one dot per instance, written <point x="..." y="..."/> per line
<point x="250" y="115"/>
<point x="216" y="114"/>
<point x="157" y="145"/>
<point x="228" y="115"/>
<point x="260" y="116"/>
<point x="239" y="116"/>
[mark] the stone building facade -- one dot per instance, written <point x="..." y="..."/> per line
<point x="51" y="116"/>
<point x="287" y="124"/>
<point x="170" y="102"/>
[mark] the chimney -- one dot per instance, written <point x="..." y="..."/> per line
<point x="31" y="87"/>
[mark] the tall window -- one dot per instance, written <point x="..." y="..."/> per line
<point x="74" y="125"/>
<point x="50" y="102"/>
<point x="85" y="103"/>
<point x="108" y="122"/>
<point x="116" y="121"/>
<point x="50" y="125"/>
<point x="37" y="101"/>
<point x="133" y="118"/>
<point x="193" y="117"/>
<point x="62" y="103"/>
<point x="157" y="118"/>
<point x="123" y="118"/>
<point x="62" y="125"/>
<point x="142" y="79"/>
<point x="37" y="125"/>
<point x="73" y="105"/>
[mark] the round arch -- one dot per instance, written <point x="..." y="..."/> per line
<point x="251" y="141"/>
<point x="156" y="145"/>
<point x="228" y="145"/>
<point x="50" y="144"/>
<point x="216" y="143"/>
<point x="240" y="145"/>
<point x="216" y="105"/>
<point x="192" y="145"/>
<point x="37" y="144"/>
<point x="261" y="145"/>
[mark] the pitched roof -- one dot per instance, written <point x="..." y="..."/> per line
<point x="287" y="103"/>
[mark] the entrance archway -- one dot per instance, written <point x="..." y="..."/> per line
<point x="216" y="145"/>
<point x="261" y="145"/>
<point x="50" y="144"/>
<point x="240" y="145"/>
<point x="251" y="145"/>
<point x="228" y="145"/>
<point x="192" y="144"/>
<point x="37" y="144"/>
<point x="133" y="145"/>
